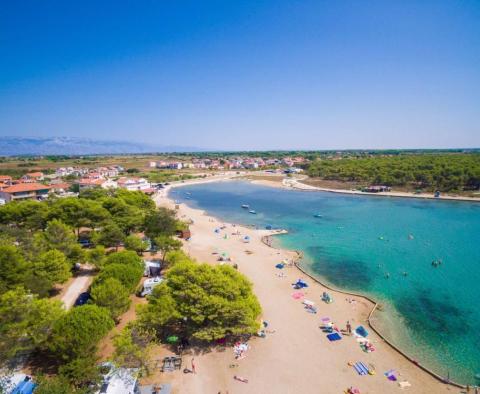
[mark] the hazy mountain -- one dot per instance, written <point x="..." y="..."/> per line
<point x="14" y="146"/>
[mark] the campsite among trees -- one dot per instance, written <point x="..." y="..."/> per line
<point x="40" y="249"/>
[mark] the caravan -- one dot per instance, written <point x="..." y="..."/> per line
<point x="149" y="285"/>
<point x="118" y="380"/>
<point x="152" y="268"/>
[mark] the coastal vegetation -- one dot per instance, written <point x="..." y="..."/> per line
<point x="201" y="302"/>
<point x="40" y="250"/>
<point x="444" y="172"/>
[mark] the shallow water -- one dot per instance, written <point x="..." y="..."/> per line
<point x="383" y="247"/>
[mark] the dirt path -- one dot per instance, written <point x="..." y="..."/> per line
<point x="79" y="284"/>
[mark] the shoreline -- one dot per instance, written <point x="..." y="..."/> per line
<point x="390" y="348"/>
<point x="374" y="308"/>
<point x="296" y="184"/>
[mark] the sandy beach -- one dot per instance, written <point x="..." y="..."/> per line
<point x="295" y="356"/>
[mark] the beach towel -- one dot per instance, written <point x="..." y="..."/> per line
<point x="334" y="337"/>
<point x="297" y="295"/>
<point x="391" y="375"/>
<point x="404" y="384"/>
<point x="360" y="330"/>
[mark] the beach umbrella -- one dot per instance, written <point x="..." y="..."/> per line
<point x="279" y="266"/>
<point x="172" y="339"/>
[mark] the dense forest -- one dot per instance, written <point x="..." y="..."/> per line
<point x="444" y="172"/>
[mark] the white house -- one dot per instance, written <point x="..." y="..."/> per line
<point x="134" y="184"/>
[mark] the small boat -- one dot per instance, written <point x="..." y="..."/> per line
<point x="317" y="215"/>
<point x="252" y="212"/>
<point x="246" y="206"/>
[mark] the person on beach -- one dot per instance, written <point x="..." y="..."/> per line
<point x="193" y="366"/>
<point x="349" y="328"/>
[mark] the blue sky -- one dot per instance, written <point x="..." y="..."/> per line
<point x="244" y="74"/>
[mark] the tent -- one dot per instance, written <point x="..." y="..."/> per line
<point x="26" y="386"/>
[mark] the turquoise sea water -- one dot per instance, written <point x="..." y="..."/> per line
<point x="365" y="244"/>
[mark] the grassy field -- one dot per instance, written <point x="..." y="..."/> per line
<point x="20" y="166"/>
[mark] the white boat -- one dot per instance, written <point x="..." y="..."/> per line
<point x="246" y="206"/>
<point x="317" y="215"/>
<point x="252" y="212"/>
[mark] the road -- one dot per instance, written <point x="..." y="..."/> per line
<point x="80" y="283"/>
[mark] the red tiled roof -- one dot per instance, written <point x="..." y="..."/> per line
<point x="35" y="174"/>
<point x="4" y="178"/>
<point x="60" y="186"/>
<point x="25" y="187"/>
<point x="88" y="181"/>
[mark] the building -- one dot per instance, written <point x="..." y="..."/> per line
<point x="134" y="183"/>
<point x="5" y="181"/>
<point x="32" y="177"/>
<point x="88" y="183"/>
<point x="24" y="191"/>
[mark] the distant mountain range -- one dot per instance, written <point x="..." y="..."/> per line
<point x="19" y="146"/>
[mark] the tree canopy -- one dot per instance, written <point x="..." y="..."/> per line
<point x="202" y="302"/>
<point x="111" y="294"/>
<point x="167" y="244"/>
<point x="160" y="222"/>
<point x="77" y="333"/>
<point x="445" y="172"/>
<point x="127" y="275"/>
<point x="25" y="322"/>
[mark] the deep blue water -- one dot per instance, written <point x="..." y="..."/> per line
<point x="383" y="247"/>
